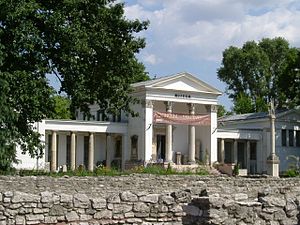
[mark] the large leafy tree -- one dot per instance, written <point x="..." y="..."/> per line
<point x="256" y="73"/>
<point x="88" y="44"/>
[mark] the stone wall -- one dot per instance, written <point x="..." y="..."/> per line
<point x="149" y="199"/>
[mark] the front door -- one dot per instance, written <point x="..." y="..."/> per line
<point x="161" y="147"/>
<point x="241" y="156"/>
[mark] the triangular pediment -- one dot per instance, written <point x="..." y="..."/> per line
<point x="180" y="82"/>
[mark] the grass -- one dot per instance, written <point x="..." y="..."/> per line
<point x="104" y="171"/>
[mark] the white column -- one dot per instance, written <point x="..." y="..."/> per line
<point x="73" y="151"/>
<point x="148" y="130"/>
<point x="192" y="136"/>
<point x="213" y="153"/>
<point x="169" y="135"/>
<point x="235" y="151"/>
<point x="91" y="152"/>
<point x="53" y="152"/>
<point x="124" y="150"/>
<point x="222" y="150"/>
<point x="273" y="160"/>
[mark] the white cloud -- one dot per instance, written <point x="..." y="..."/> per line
<point x="203" y="29"/>
<point x="151" y="59"/>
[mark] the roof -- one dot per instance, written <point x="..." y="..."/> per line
<point x="186" y="80"/>
<point x="250" y="116"/>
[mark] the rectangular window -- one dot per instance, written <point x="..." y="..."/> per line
<point x="283" y="137"/>
<point x="252" y="150"/>
<point x="298" y="138"/>
<point x="291" y="138"/>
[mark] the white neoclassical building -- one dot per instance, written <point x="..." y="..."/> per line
<point x="177" y="123"/>
<point x="245" y="139"/>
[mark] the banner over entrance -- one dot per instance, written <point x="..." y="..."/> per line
<point x="186" y="119"/>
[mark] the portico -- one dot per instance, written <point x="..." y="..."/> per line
<point x="180" y="119"/>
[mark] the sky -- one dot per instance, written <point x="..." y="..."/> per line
<point x="190" y="35"/>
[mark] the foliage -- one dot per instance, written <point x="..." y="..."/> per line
<point x="235" y="171"/>
<point x="89" y="45"/>
<point x="221" y="111"/>
<point x="62" y="108"/>
<point x="291" y="173"/>
<point x="105" y="171"/>
<point x="257" y="73"/>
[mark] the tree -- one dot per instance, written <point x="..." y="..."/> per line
<point x="62" y="108"/>
<point x="254" y="72"/>
<point x="88" y="44"/>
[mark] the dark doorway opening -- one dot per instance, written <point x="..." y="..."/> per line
<point x="161" y="146"/>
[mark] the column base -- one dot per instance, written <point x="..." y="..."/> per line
<point x="191" y="162"/>
<point x="273" y="165"/>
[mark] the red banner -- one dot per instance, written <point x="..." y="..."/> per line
<point x="176" y="118"/>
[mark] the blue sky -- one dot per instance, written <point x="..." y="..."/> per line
<point x="190" y="35"/>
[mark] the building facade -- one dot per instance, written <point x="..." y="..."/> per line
<point x="176" y="123"/>
<point x="245" y="139"/>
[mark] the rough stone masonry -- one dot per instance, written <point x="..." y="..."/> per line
<point x="149" y="199"/>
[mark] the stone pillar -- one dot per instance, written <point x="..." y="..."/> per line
<point x="73" y="151"/>
<point x="169" y="131"/>
<point x="235" y="151"/>
<point x="222" y="152"/>
<point x="248" y="156"/>
<point x="273" y="159"/>
<point x="91" y="152"/>
<point x="192" y="136"/>
<point x="54" y="152"/>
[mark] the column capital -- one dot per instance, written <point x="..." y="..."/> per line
<point x="149" y="104"/>
<point x="211" y="108"/>
<point x="191" y="108"/>
<point x="169" y="106"/>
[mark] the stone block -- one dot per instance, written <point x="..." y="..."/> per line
<point x="122" y="208"/>
<point x="37" y="217"/>
<point x="128" y="196"/>
<point x="151" y="198"/>
<point x="84" y="217"/>
<point x="81" y="201"/>
<point x="49" y="197"/>
<point x="168" y="200"/>
<point x="57" y="210"/>
<point x="72" y="216"/>
<point x="104" y="214"/>
<point x="50" y="219"/>
<point x="240" y="197"/>
<point x="141" y="207"/>
<point x="134" y="220"/>
<point x="114" y="199"/>
<point x="65" y="198"/>
<point x="20" y="197"/>
<point x="176" y="209"/>
<point x="98" y="203"/>
<point x="20" y="220"/>
<point x="272" y="201"/>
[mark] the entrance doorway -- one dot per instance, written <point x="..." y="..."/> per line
<point x="241" y="156"/>
<point x="161" y="146"/>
